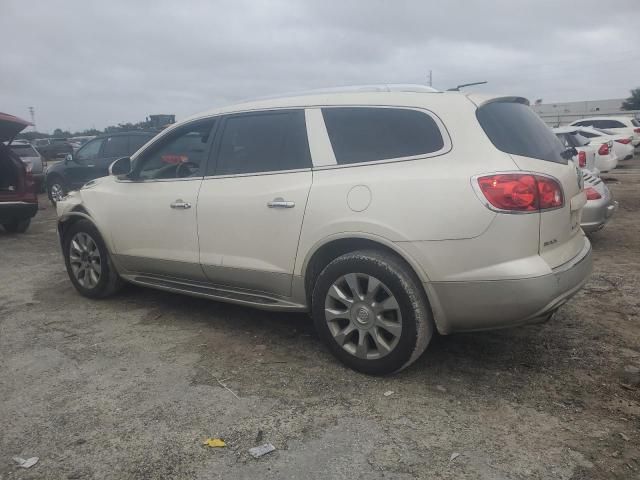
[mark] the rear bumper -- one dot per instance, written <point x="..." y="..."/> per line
<point x="17" y="210"/>
<point x="596" y="214"/>
<point x="491" y="304"/>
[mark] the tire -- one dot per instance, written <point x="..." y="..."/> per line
<point x="55" y="187"/>
<point x="106" y="282"/>
<point x="367" y="330"/>
<point x="17" y="226"/>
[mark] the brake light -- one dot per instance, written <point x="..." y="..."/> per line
<point x="592" y="193"/>
<point x="604" y="149"/>
<point x="582" y="159"/>
<point x="624" y="141"/>
<point x="521" y="192"/>
<point x="636" y="130"/>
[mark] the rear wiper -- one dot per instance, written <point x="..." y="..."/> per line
<point x="569" y="153"/>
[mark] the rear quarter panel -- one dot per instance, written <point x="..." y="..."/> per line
<point x="428" y="199"/>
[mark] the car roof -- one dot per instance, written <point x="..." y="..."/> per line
<point x="611" y="117"/>
<point x="383" y="94"/>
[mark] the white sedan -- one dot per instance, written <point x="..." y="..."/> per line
<point x="622" y="143"/>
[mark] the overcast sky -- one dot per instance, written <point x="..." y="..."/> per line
<point x="85" y="64"/>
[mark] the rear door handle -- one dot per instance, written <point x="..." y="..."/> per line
<point x="180" y="205"/>
<point x="280" y="203"/>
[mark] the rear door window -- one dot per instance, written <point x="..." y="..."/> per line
<point x="263" y="142"/>
<point x="137" y="141"/>
<point x="635" y="122"/>
<point x="608" y="124"/>
<point x="516" y="129"/>
<point x="366" y="134"/>
<point x="117" y="146"/>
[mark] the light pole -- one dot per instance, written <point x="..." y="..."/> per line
<point x="32" y="112"/>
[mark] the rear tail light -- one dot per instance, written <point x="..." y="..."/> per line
<point x="521" y="192"/>
<point x="624" y="141"/>
<point x="636" y="130"/>
<point x="582" y="159"/>
<point x="592" y="194"/>
<point x="604" y="149"/>
<point x="29" y="184"/>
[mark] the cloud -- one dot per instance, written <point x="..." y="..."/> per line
<point x="84" y="64"/>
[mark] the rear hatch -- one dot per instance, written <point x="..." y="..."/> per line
<point x="514" y="128"/>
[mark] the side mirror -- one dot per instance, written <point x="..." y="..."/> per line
<point x="68" y="158"/>
<point x="121" y="166"/>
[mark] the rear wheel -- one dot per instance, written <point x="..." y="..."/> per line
<point x="372" y="312"/>
<point x="88" y="262"/>
<point x="17" y="226"/>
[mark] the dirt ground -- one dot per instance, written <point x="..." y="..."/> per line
<point x="131" y="386"/>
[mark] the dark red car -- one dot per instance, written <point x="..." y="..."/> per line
<point x="18" y="199"/>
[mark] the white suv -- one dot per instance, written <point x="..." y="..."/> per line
<point x="386" y="212"/>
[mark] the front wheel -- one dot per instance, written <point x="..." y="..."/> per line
<point x="370" y="309"/>
<point x="17" y="226"/>
<point x="56" y="189"/>
<point x="88" y="262"/>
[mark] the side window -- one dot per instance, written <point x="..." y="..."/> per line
<point x="136" y="141"/>
<point x="179" y="154"/>
<point x="365" y="134"/>
<point x="587" y="134"/>
<point x="263" y="142"/>
<point x="635" y="122"/>
<point x="116" y="146"/>
<point x="89" y="151"/>
<point x="613" y="124"/>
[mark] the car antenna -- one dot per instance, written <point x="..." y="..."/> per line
<point x="457" y="89"/>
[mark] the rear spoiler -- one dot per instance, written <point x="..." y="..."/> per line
<point x="483" y="99"/>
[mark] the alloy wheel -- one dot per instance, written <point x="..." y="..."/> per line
<point x="85" y="260"/>
<point x="57" y="192"/>
<point x="363" y="316"/>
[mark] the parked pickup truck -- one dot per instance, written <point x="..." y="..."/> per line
<point x="52" y="148"/>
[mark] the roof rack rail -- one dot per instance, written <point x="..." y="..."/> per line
<point x="382" y="87"/>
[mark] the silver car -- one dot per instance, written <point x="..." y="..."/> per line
<point x="32" y="159"/>
<point x="600" y="205"/>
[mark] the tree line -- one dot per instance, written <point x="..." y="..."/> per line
<point x="60" y="133"/>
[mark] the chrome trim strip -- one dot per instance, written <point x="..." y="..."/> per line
<point x="260" y="301"/>
<point x="276" y="172"/>
<point x="17" y="203"/>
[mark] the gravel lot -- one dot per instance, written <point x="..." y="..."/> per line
<point x="131" y="386"/>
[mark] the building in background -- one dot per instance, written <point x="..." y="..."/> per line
<point x="557" y="114"/>
<point x="161" y="120"/>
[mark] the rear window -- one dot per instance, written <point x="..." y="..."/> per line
<point x="515" y="128"/>
<point x="608" y="124"/>
<point x="24" y="151"/>
<point x="635" y="122"/>
<point x="365" y="134"/>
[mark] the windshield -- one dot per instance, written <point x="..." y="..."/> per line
<point x="24" y="151"/>
<point x="515" y="128"/>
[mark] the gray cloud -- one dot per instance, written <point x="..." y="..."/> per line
<point x="83" y="64"/>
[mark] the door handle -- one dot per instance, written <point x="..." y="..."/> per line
<point x="280" y="203"/>
<point x="180" y="205"/>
